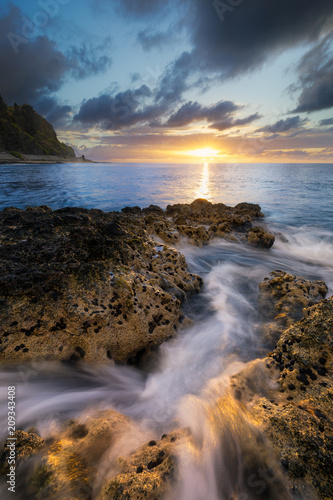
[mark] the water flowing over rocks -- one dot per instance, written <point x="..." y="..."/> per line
<point x="102" y="456"/>
<point x="79" y="284"/>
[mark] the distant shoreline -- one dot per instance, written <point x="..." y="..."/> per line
<point x="8" y="159"/>
<point x="24" y="159"/>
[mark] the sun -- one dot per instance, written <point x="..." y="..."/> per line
<point x="203" y="152"/>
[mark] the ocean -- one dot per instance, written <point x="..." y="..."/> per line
<point x="297" y="203"/>
<point x="289" y="193"/>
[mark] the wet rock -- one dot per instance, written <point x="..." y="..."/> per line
<point x="298" y="423"/>
<point x="146" y="474"/>
<point x="113" y="229"/>
<point x="78" y="283"/>
<point x="100" y="456"/>
<point x="131" y="210"/>
<point x="196" y="235"/>
<point x="153" y="209"/>
<point x="258" y="237"/>
<point x="283" y="297"/>
<point x="27" y="444"/>
<point x="221" y="221"/>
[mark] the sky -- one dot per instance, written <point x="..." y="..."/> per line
<point x="175" y="80"/>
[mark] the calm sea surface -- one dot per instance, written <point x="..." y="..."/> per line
<point x="289" y="193"/>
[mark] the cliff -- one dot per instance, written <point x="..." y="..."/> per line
<point x="25" y="132"/>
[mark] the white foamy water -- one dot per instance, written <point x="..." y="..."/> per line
<point x="191" y="373"/>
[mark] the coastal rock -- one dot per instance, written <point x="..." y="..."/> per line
<point x="196" y="235"/>
<point x="103" y="455"/>
<point x="202" y="220"/>
<point x="289" y="394"/>
<point x="68" y="464"/>
<point x="283" y="297"/>
<point x="258" y="237"/>
<point x="27" y="444"/>
<point x="85" y="284"/>
<point x="145" y="474"/>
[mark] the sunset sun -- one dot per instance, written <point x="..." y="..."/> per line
<point x="203" y="152"/>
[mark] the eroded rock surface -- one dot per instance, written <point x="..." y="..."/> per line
<point x="290" y="395"/>
<point x="102" y="456"/>
<point x="283" y="298"/>
<point x="84" y="284"/>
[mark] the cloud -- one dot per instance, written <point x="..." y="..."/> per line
<point x="141" y="8"/>
<point x="226" y="44"/>
<point x="284" y="125"/>
<point x="123" y="110"/>
<point x="227" y="39"/>
<point x="326" y="122"/>
<point x="54" y="111"/>
<point x="194" y="112"/>
<point x="149" y="40"/>
<point x="316" y="78"/>
<point x="174" y="81"/>
<point x="240" y="122"/>
<point x="137" y="107"/>
<point x="240" y="39"/>
<point x="86" y="60"/>
<point x="34" y="67"/>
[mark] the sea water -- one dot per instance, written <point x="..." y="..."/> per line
<point x="192" y="370"/>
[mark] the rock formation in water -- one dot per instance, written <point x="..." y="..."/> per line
<point x="289" y="395"/>
<point x="283" y="298"/>
<point x="25" y="132"/>
<point x="85" y="284"/>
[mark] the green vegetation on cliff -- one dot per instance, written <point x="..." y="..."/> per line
<point x="22" y="130"/>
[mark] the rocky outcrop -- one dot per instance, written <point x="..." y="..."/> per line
<point x="84" y="284"/>
<point x="282" y="299"/>
<point x="202" y="220"/>
<point x="23" y="131"/>
<point x="289" y="394"/>
<point x="147" y="473"/>
<point x="101" y="456"/>
<point x="258" y="237"/>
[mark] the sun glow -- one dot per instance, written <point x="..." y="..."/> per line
<point x="203" y="153"/>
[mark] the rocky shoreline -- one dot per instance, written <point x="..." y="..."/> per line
<point x="85" y="285"/>
<point x="26" y="159"/>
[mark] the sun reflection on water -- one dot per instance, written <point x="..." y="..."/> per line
<point x="203" y="190"/>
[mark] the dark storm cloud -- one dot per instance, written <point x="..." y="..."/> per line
<point x="115" y="113"/>
<point x="242" y="38"/>
<point x="326" y="122"/>
<point x="316" y="78"/>
<point x="227" y="43"/>
<point x="194" y="112"/>
<point x="32" y="68"/>
<point x="284" y="125"/>
<point x="231" y="37"/>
